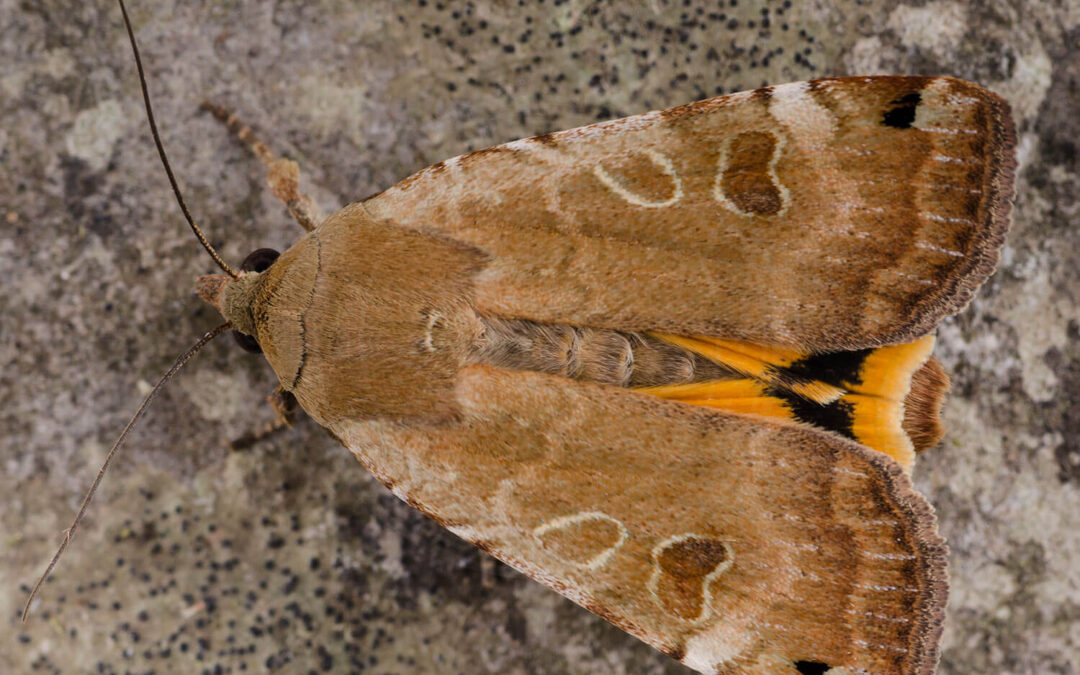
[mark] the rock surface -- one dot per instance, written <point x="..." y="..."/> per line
<point x="288" y="557"/>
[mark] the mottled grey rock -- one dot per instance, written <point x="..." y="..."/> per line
<point x="288" y="556"/>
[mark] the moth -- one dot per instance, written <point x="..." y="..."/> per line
<point x="676" y="366"/>
<point x="672" y="366"/>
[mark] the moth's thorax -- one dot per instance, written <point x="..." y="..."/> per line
<point x="366" y="319"/>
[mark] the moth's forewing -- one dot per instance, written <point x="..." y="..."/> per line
<point x="732" y="543"/>
<point x="825" y="215"/>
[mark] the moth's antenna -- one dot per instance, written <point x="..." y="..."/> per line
<point x="70" y="532"/>
<point x="161" y="150"/>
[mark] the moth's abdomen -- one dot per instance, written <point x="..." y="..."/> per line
<point x="618" y="358"/>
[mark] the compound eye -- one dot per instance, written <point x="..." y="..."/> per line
<point x="259" y="260"/>
<point x="246" y="342"/>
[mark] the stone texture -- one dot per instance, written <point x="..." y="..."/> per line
<point x="288" y="557"/>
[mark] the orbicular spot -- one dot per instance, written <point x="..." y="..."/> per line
<point x="684" y="568"/>
<point x="746" y="180"/>
<point x="812" y="667"/>
<point x="647" y="179"/>
<point x="587" y="539"/>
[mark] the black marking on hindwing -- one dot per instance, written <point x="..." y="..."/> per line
<point x="841" y="369"/>
<point x="837" y="416"/>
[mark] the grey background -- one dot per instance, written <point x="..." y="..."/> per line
<point x="288" y="556"/>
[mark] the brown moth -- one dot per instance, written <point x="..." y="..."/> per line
<point x="672" y="366"/>
<point x="535" y="344"/>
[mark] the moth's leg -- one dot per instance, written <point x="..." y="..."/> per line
<point x="286" y="412"/>
<point x="283" y="175"/>
<point x="487" y="571"/>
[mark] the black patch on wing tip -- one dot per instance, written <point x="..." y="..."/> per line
<point x="812" y="667"/>
<point x="677" y="653"/>
<point x="838" y="416"/>
<point x="903" y="115"/>
<point x="763" y="94"/>
<point x="838" y="369"/>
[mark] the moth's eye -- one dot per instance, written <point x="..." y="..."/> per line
<point x="246" y="342"/>
<point x="259" y="260"/>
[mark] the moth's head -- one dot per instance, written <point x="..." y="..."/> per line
<point x="235" y="298"/>
<point x="265" y="303"/>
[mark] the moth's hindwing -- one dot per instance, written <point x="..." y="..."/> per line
<point x="733" y="544"/>
<point x="826" y="215"/>
<point x="886" y="398"/>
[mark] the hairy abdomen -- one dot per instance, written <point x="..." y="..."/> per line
<point x="610" y="357"/>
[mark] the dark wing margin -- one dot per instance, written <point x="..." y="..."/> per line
<point x="996" y="179"/>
